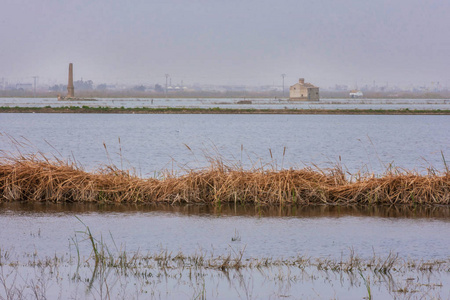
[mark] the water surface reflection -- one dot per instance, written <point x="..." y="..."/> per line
<point x="311" y="211"/>
<point x="416" y="233"/>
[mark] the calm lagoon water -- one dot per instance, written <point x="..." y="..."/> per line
<point x="151" y="143"/>
<point x="265" y="103"/>
<point x="330" y="235"/>
<point x="41" y="232"/>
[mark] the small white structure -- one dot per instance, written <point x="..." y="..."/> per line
<point x="356" y="94"/>
<point x="304" y="91"/>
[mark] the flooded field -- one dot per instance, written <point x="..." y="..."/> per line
<point x="267" y="232"/>
<point x="150" y="143"/>
<point x="173" y="252"/>
<point x="264" y="103"/>
<point x="226" y="252"/>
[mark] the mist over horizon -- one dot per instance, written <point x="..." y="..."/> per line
<point x="227" y="43"/>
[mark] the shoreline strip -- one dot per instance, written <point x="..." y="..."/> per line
<point x="217" y="110"/>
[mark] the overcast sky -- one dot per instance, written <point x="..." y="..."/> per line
<point x="250" y="42"/>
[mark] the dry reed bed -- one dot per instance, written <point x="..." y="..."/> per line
<point x="36" y="178"/>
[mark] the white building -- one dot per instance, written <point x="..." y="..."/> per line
<point x="356" y="94"/>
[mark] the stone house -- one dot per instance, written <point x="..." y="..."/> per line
<point x="304" y="91"/>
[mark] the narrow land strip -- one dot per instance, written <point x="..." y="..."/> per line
<point x="217" y="110"/>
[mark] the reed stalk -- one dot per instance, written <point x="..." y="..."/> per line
<point x="35" y="178"/>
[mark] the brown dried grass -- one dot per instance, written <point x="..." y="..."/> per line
<point x="36" y="178"/>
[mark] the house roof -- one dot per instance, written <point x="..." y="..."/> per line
<point x="306" y="85"/>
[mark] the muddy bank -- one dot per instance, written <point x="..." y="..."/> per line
<point x="169" y="110"/>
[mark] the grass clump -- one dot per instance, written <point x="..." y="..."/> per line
<point x="37" y="178"/>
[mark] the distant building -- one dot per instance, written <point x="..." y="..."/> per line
<point x="304" y="91"/>
<point x="24" y="86"/>
<point x="355" y="94"/>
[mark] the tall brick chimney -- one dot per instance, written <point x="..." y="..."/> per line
<point x="70" y="88"/>
<point x="301" y="80"/>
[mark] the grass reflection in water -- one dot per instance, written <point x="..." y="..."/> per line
<point x="108" y="272"/>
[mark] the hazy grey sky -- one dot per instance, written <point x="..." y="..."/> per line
<point x="228" y="41"/>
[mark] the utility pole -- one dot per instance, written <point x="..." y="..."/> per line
<point x="283" y="75"/>
<point x="167" y="77"/>
<point x="35" y="77"/>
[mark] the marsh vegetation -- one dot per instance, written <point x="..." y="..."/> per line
<point x="95" y="267"/>
<point x="35" y="177"/>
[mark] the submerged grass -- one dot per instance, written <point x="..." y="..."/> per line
<point x="35" y="178"/>
<point x="105" y="273"/>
